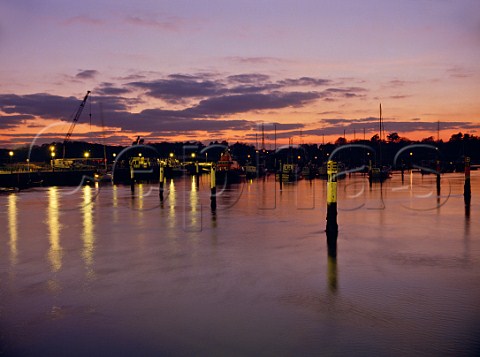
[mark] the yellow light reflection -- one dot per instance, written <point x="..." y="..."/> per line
<point x="172" y="197"/>
<point x="88" y="236"/>
<point x="195" y="214"/>
<point x="55" y="251"/>
<point x="115" y="196"/>
<point x="194" y="195"/>
<point x="140" y="198"/>
<point x="13" y="228"/>
<point x="115" y="203"/>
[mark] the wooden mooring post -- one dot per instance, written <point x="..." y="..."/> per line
<point x="197" y="174"/>
<point x="161" y="181"/>
<point x="132" y="178"/>
<point x="280" y="175"/>
<point x="438" y="178"/>
<point x="213" y="189"/>
<point x="332" y="226"/>
<point x="467" y="193"/>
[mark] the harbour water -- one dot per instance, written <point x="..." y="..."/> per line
<point x="96" y="271"/>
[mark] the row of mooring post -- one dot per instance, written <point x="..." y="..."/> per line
<point x="161" y="181"/>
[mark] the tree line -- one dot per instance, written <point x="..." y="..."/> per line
<point x="374" y="150"/>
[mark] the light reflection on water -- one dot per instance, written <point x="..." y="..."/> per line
<point x="192" y="209"/>
<point x="12" y="228"/>
<point x="254" y="278"/>
<point x="54" y="226"/>
<point x="88" y="235"/>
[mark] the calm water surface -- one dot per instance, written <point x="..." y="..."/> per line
<point x="95" y="271"/>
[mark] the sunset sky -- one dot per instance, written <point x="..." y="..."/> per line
<point x="218" y="69"/>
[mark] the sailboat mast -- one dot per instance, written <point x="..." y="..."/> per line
<point x="438" y="131"/>
<point x="380" y="122"/>
<point x="263" y="138"/>
<point x="275" y="139"/>
<point x="380" y="142"/>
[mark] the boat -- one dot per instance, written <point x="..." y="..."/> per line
<point x="323" y="173"/>
<point x="228" y="170"/>
<point x="310" y="171"/>
<point x="173" y="167"/>
<point x="289" y="173"/>
<point x="379" y="172"/>
<point x="35" y="183"/>
<point x="254" y="171"/>
<point x="103" y="176"/>
<point x="4" y="190"/>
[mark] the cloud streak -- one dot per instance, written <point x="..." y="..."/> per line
<point x="162" y="23"/>
<point x="86" y="74"/>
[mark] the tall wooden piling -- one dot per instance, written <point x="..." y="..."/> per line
<point x="438" y="178"/>
<point x="161" y="180"/>
<point x="467" y="193"/>
<point x="213" y="189"/>
<point x="402" y="170"/>
<point x="332" y="226"/>
<point x="280" y="175"/>
<point x="132" y="178"/>
<point x="370" y="175"/>
<point x="197" y="174"/>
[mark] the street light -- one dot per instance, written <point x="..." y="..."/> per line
<point x="86" y="154"/>
<point x="172" y="154"/>
<point x="52" y="153"/>
<point x="193" y="155"/>
<point x="10" y="153"/>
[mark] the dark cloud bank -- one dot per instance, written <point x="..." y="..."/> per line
<point x="203" y="101"/>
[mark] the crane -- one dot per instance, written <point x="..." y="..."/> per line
<point x="75" y="120"/>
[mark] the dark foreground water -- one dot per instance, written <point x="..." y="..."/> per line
<point x="94" y="272"/>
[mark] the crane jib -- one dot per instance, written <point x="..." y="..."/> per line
<point x="75" y="120"/>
